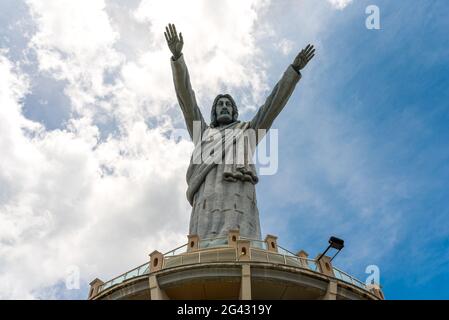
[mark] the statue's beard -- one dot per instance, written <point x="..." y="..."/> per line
<point x="224" y="118"/>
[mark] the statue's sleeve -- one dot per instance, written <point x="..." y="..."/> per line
<point x="186" y="96"/>
<point x="276" y="100"/>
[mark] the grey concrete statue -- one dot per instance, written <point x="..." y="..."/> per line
<point x="223" y="195"/>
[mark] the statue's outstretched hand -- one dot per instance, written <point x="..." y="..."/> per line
<point x="174" y="42"/>
<point x="304" y="57"/>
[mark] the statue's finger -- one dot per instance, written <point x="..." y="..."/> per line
<point x="168" y="33"/>
<point x="309" y="49"/>
<point x="310" y="58"/>
<point x="174" y="30"/>
<point x="172" y="33"/>
<point x="180" y="35"/>
<point x="310" y="53"/>
<point x="175" y="34"/>
<point x="166" y="36"/>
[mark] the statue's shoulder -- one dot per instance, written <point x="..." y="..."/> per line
<point x="243" y="124"/>
<point x="235" y="125"/>
<point x="239" y="125"/>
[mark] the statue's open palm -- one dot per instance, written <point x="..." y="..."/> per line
<point x="303" y="58"/>
<point x="175" y="42"/>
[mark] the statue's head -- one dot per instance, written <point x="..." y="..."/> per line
<point x="224" y="110"/>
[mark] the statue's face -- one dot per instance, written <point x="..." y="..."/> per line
<point x="224" y="111"/>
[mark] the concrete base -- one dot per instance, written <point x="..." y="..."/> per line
<point x="236" y="280"/>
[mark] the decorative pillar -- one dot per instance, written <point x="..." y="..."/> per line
<point x="325" y="266"/>
<point x="156" y="261"/>
<point x="245" y="285"/>
<point x="303" y="256"/>
<point x="94" y="286"/>
<point x="156" y="292"/>
<point x="375" y="289"/>
<point x="233" y="236"/>
<point x="271" y="242"/>
<point x="331" y="292"/>
<point x="193" y="243"/>
<point x="243" y="253"/>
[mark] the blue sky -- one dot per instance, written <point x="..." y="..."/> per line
<point x="387" y="92"/>
<point x="88" y="101"/>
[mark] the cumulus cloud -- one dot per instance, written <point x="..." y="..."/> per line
<point x="220" y="45"/>
<point x="66" y="199"/>
<point x="285" y="46"/>
<point x="76" y="197"/>
<point x="339" y="4"/>
<point x="107" y="187"/>
<point x="74" y="43"/>
<point x="85" y="49"/>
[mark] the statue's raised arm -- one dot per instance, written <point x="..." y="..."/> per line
<point x="303" y="58"/>
<point x="221" y="177"/>
<point x="175" y="42"/>
<point x="181" y="78"/>
<point x="282" y="91"/>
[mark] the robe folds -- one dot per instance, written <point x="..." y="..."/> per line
<point x="222" y="193"/>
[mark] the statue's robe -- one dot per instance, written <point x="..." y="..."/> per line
<point x="223" y="196"/>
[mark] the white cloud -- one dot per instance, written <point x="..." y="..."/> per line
<point x="70" y="198"/>
<point x="220" y="45"/>
<point x="74" y="43"/>
<point x="74" y="197"/>
<point x="285" y="46"/>
<point x="220" y="49"/>
<point x="339" y="4"/>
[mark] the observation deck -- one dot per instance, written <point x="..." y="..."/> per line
<point x="232" y="268"/>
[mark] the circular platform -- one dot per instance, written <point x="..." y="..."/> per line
<point x="234" y="268"/>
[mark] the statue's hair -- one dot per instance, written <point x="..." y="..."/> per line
<point x="213" y="113"/>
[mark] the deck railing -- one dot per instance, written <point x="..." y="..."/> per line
<point x="218" y="250"/>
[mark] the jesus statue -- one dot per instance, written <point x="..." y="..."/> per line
<point x="222" y="193"/>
